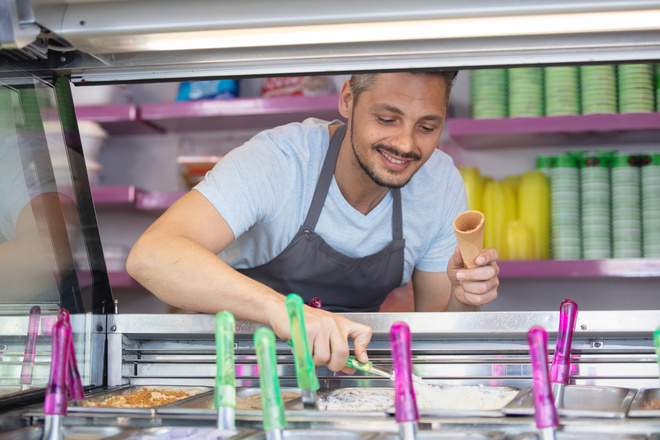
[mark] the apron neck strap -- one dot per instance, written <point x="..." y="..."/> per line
<point x="323" y="184"/>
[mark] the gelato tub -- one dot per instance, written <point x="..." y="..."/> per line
<point x="646" y="403"/>
<point x="579" y="401"/>
<point x="450" y="435"/>
<point x="247" y="399"/>
<point x="136" y="399"/>
<point x="463" y="400"/>
<point x="69" y="433"/>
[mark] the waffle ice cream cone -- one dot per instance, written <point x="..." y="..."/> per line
<point x="469" y="229"/>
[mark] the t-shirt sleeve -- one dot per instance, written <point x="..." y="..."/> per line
<point x="443" y="245"/>
<point x="247" y="184"/>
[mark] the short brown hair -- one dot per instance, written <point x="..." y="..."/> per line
<point x="361" y="82"/>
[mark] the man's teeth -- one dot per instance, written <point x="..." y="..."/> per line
<point x="391" y="159"/>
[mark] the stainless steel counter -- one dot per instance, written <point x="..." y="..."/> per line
<point x="609" y="348"/>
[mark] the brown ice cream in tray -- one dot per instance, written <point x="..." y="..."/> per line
<point x="247" y="400"/>
<point x="137" y="399"/>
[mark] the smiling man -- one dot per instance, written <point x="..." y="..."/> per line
<point x="344" y="213"/>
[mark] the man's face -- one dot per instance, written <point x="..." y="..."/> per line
<point x="396" y="125"/>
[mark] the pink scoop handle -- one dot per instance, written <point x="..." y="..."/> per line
<point x="545" y="411"/>
<point x="76" y="390"/>
<point x="30" y="345"/>
<point x="405" y="404"/>
<point x="56" y="396"/>
<point x="561" y="361"/>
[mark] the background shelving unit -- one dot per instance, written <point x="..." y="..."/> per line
<point x="470" y="134"/>
<point x="588" y="130"/>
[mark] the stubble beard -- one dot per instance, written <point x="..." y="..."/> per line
<point x="371" y="171"/>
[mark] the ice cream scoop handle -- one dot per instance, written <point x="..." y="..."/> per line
<point x="271" y="399"/>
<point x="30" y="345"/>
<point x="56" y="390"/>
<point x="404" y="395"/>
<point x="545" y="411"/>
<point x="561" y="361"/>
<point x="225" y="378"/>
<point x="305" y="369"/>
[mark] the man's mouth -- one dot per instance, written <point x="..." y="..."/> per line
<point x="392" y="159"/>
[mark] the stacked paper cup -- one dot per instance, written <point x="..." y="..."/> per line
<point x="488" y="93"/>
<point x="595" y="206"/>
<point x="650" y="179"/>
<point x="526" y="92"/>
<point x="657" y="87"/>
<point x="544" y="164"/>
<point x="565" y="209"/>
<point x="598" y="88"/>
<point x="626" y="212"/>
<point x="562" y="90"/>
<point x="636" y="88"/>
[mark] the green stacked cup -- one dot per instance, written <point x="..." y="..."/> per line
<point x="657" y="87"/>
<point x="598" y="89"/>
<point x="636" y="84"/>
<point x="488" y="93"/>
<point x="626" y="207"/>
<point x="650" y="180"/>
<point x="595" y="207"/>
<point x="526" y="92"/>
<point x="562" y="90"/>
<point x="565" y="209"/>
<point x="544" y="164"/>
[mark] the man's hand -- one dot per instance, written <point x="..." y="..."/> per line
<point x="474" y="287"/>
<point x="328" y="335"/>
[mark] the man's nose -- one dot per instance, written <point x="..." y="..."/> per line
<point x="403" y="140"/>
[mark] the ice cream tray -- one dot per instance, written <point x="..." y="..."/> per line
<point x="202" y="404"/>
<point x="578" y="401"/>
<point x="472" y="410"/>
<point x="646" y="403"/>
<point x="122" y="391"/>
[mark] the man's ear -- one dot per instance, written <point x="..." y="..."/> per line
<point x="346" y="100"/>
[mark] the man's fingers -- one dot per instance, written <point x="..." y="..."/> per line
<point x="361" y="335"/>
<point x="339" y="351"/>
<point x="487" y="256"/>
<point x="481" y="273"/>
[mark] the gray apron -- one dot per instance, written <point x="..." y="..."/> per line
<point x="311" y="268"/>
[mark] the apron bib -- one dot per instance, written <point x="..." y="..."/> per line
<point x="311" y="268"/>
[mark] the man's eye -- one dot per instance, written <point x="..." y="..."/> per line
<point x="385" y="120"/>
<point x="428" y="129"/>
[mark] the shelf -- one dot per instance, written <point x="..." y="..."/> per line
<point x="238" y="113"/>
<point x="615" y="267"/>
<point x="122" y="279"/>
<point x="130" y="197"/>
<point x="598" y="130"/>
<point x="117" y="119"/>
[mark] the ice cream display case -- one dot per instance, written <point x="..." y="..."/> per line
<point x="73" y="366"/>
<point x="476" y="371"/>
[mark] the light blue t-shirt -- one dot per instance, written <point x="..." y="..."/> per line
<point x="264" y="188"/>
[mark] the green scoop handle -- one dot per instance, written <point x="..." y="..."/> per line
<point x="305" y="370"/>
<point x="272" y="405"/>
<point x="656" y="342"/>
<point x="225" y="378"/>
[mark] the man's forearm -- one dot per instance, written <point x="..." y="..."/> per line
<point x="184" y="274"/>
